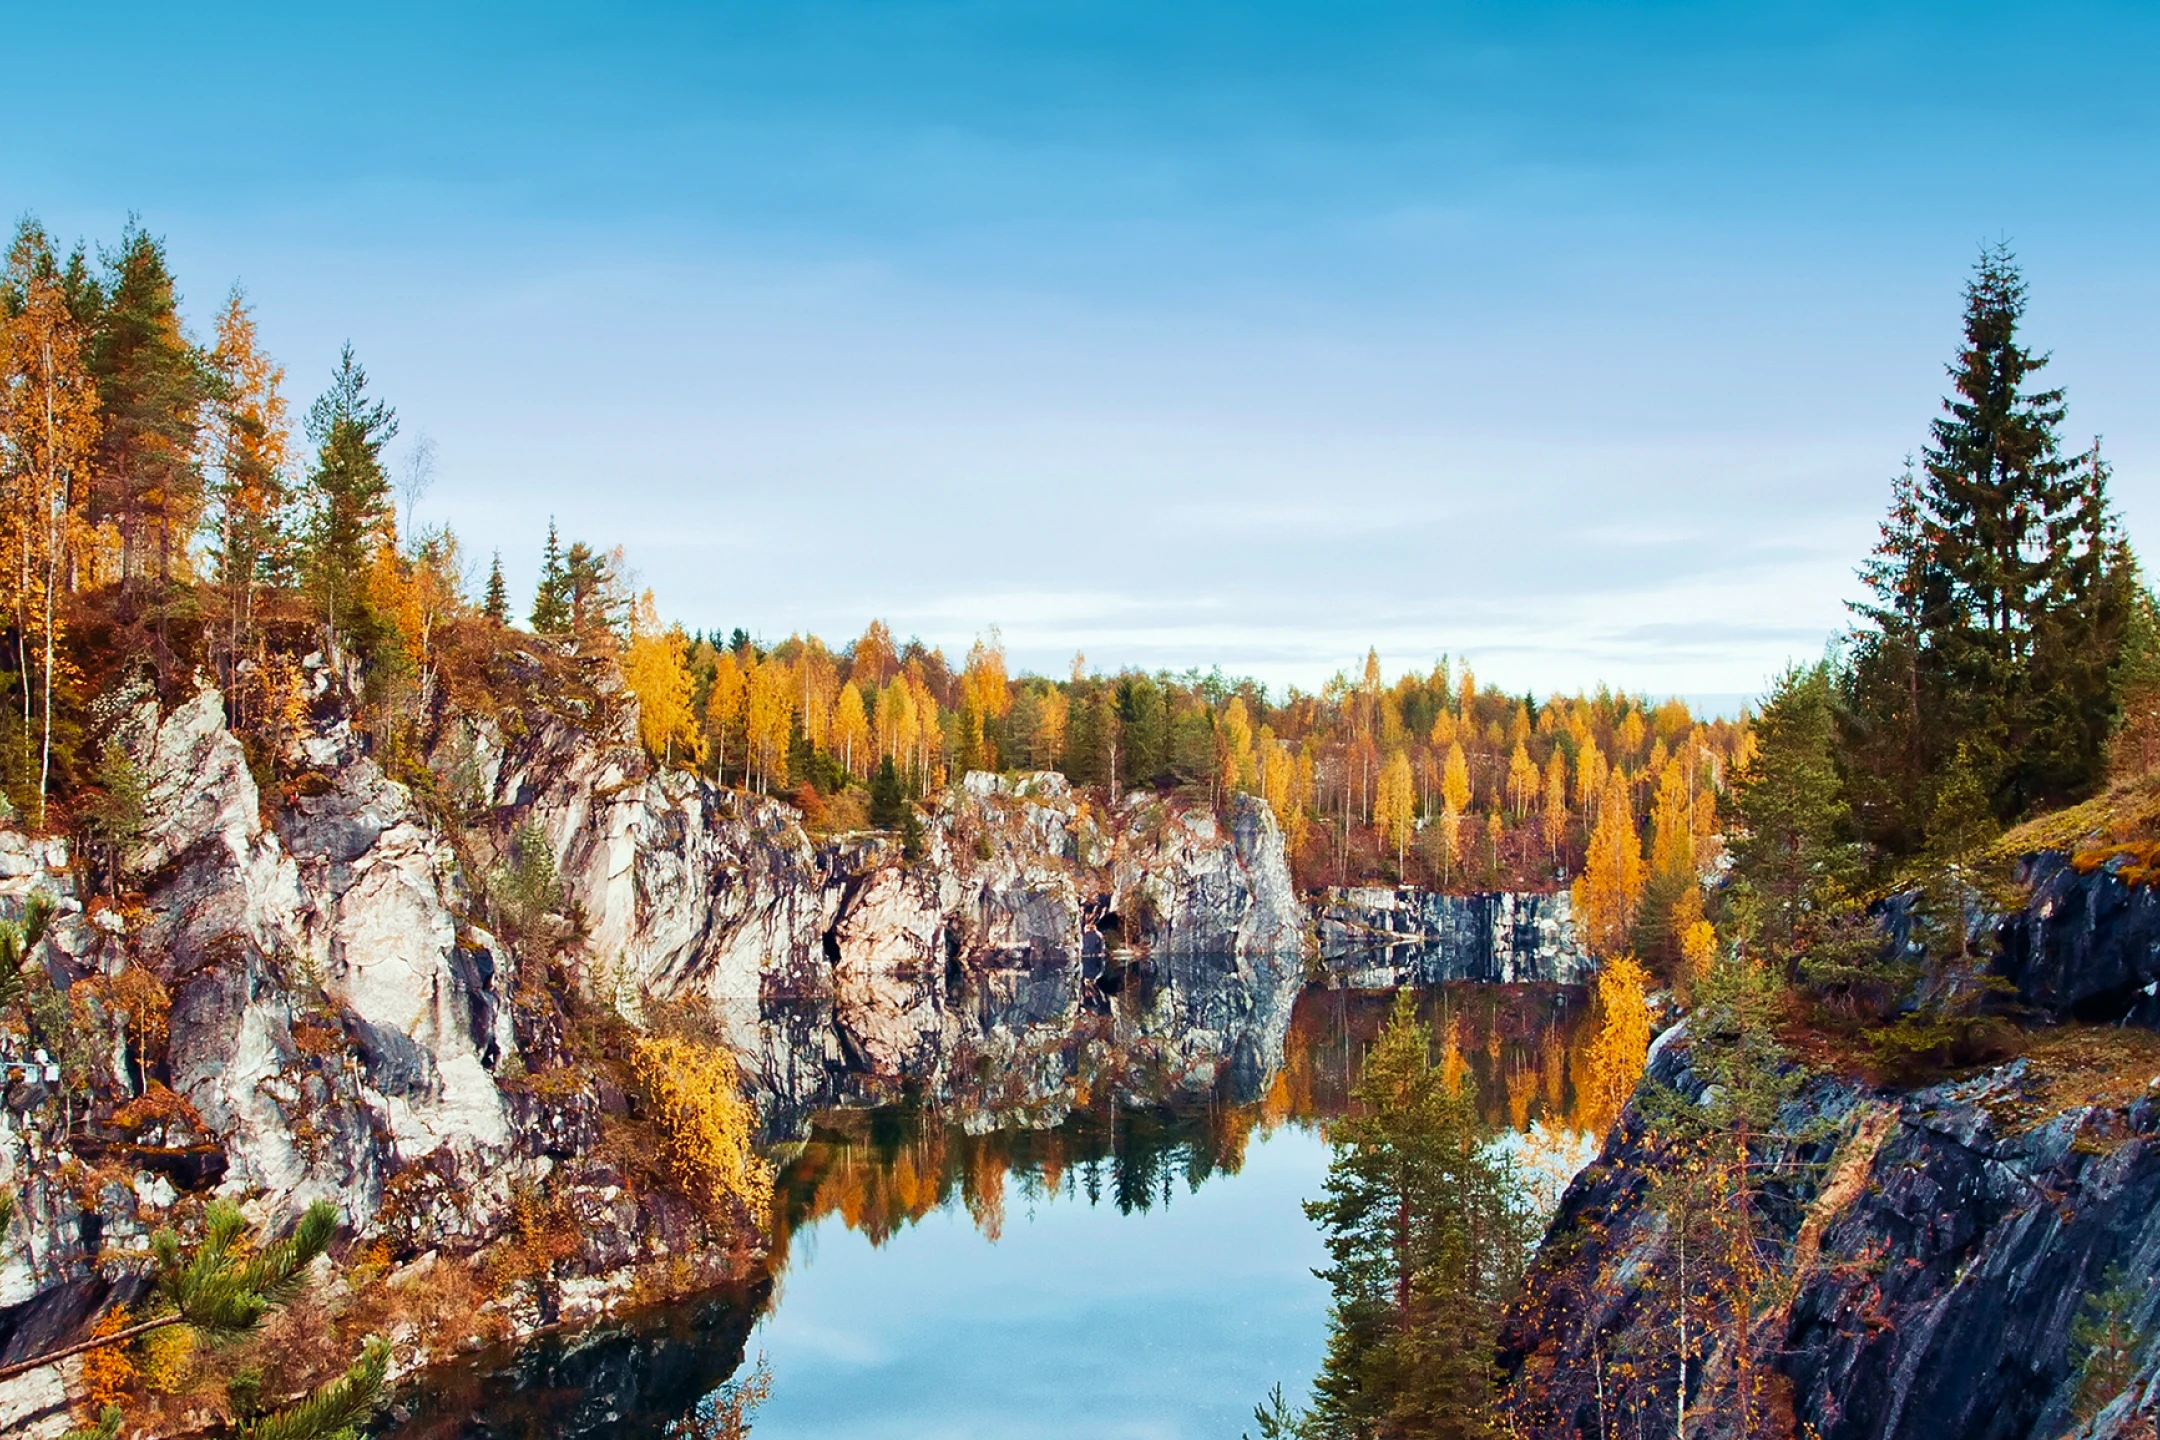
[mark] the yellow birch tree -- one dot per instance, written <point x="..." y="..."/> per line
<point x="656" y="670"/>
<point x="1395" y="806"/>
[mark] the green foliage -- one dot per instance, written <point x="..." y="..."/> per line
<point x="350" y="511"/>
<point x="1948" y="1020"/>
<point x="1427" y="1237"/>
<point x="888" y="799"/>
<point x="1735" y="1050"/>
<point x="224" y="1287"/>
<point x="1143" y="718"/>
<point x="1793" y="859"/>
<point x="496" y="605"/>
<point x="109" y="1421"/>
<point x="1991" y="661"/>
<point x="2106" y="1340"/>
<point x="338" y="1410"/>
<point x="551" y="600"/>
<point x="17" y="939"/>
<point x="1277" y="1418"/>
<point x="527" y="886"/>
<point x="152" y="385"/>
<point x="115" y="814"/>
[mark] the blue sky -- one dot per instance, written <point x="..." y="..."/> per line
<point x="1578" y="339"/>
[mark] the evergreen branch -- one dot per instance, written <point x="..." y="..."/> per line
<point x="338" y="1408"/>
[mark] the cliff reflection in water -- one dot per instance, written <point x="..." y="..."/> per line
<point x="881" y="1170"/>
<point x="878" y="1172"/>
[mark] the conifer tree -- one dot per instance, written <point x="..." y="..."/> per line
<point x="1793" y="860"/>
<point x="350" y="514"/>
<point x="152" y="384"/>
<point x="551" y="600"/>
<point x="1426" y="1238"/>
<point x="2000" y="589"/>
<point x="496" y="606"/>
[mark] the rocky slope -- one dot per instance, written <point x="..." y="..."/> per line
<point x="1932" y="1247"/>
<point x="334" y="1021"/>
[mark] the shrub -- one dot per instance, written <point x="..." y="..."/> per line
<point x="708" y="1129"/>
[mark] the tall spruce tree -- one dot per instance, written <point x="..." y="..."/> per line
<point x="496" y="606"/>
<point x="350" y="511"/>
<point x="551" y="600"/>
<point x="2000" y="590"/>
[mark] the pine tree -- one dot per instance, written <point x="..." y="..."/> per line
<point x="225" y="1286"/>
<point x="350" y="514"/>
<point x="152" y="384"/>
<point x="551" y="601"/>
<point x="1793" y="861"/>
<point x="1426" y="1238"/>
<point x="888" y="800"/>
<point x="497" y="604"/>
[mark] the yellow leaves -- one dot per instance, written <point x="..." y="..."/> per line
<point x="1590" y="775"/>
<point x="1522" y="778"/>
<point x="1698" y="949"/>
<point x="1395" y="804"/>
<point x="1612" y="880"/>
<point x="1613" y="1062"/>
<point x="1694" y="935"/>
<point x="768" y="718"/>
<point x="1053" y="717"/>
<point x="109" y="1370"/>
<point x="1672" y="827"/>
<point x="708" y="1128"/>
<point x="1278" y="777"/>
<point x="1455" y="778"/>
<point x="983" y="682"/>
<point x="1239" y="769"/>
<point x="1554" y="812"/>
<point x="656" y="670"/>
<point x="851" y="732"/>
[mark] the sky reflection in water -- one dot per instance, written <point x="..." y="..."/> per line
<point x="1077" y="1321"/>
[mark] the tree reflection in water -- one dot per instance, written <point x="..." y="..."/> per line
<point x="880" y="1171"/>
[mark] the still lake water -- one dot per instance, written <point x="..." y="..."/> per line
<point x="1078" y="1320"/>
<point x="1139" y="1271"/>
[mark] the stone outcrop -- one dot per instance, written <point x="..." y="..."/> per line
<point x="1375" y="936"/>
<point x="2087" y="945"/>
<point x="1939" y="1243"/>
<point x="1946" y="1240"/>
<point x="341" y="1025"/>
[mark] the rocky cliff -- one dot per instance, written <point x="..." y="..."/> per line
<point x="295" y="995"/>
<point x="1929" y="1250"/>
<point x="1375" y="936"/>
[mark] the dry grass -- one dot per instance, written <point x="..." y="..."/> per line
<point x="2106" y="1067"/>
